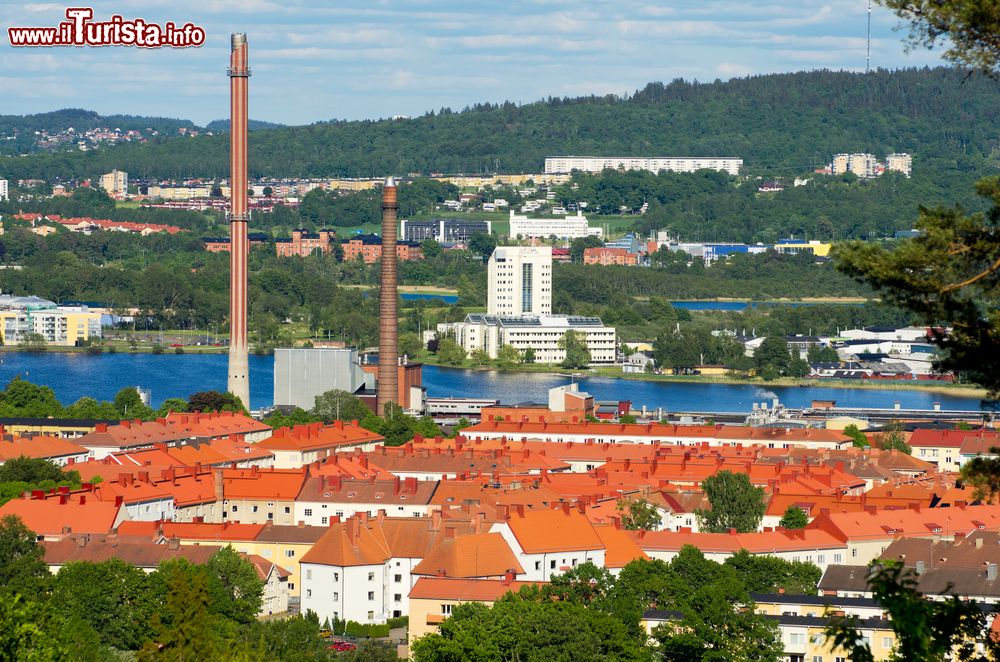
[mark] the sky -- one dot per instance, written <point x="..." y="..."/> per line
<point x="357" y="59"/>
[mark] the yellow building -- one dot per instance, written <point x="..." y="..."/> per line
<point x="803" y="638"/>
<point x="354" y="184"/>
<point x="817" y="248"/>
<point x="63" y="327"/>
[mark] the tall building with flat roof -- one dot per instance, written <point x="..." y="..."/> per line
<point x="565" y="164"/>
<point x="900" y="162"/>
<point x="4" y="193"/>
<point x="115" y="182"/>
<point x="520" y="281"/>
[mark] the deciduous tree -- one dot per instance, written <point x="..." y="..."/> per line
<point x="735" y="503"/>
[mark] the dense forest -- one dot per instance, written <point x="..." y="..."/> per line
<point x="781" y="124"/>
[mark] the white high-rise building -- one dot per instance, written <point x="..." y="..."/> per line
<point x="566" y="164"/>
<point x="4" y="195"/>
<point x="520" y="281"/>
<point x="900" y="162"/>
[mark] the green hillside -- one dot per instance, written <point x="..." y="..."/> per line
<point x="780" y="124"/>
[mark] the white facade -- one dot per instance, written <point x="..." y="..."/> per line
<point x="4" y="191"/>
<point x="520" y="281"/>
<point x="542" y="334"/>
<point x="567" y="227"/>
<point x="363" y="593"/>
<point x="541" y="567"/>
<point x="563" y="164"/>
<point x="862" y="165"/>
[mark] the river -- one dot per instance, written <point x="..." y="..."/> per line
<point x="74" y="375"/>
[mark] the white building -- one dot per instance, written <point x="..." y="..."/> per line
<point x="899" y="162"/>
<point x="115" y="182"/>
<point x="567" y="227"/>
<point x="4" y="191"/>
<point x="862" y="165"/>
<point x="564" y="164"/>
<point x="551" y="542"/>
<point x="519" y="281"/>
<point x="542" y="333"/>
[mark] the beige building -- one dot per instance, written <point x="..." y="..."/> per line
<point x="900" y="162"/>
<point x="24" y="317"/>
<point x="115" y="183"/>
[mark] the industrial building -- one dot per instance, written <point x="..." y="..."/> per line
<point x="443" y="230"/>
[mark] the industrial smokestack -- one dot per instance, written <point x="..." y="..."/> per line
<point x="388" y="362"/>
<point x="239" y="249"/>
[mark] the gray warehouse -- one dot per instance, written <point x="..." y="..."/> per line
<point x="302" y="374"/>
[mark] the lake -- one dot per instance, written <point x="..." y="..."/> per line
<point x="686" y="305"/>
<point x="74" y="375"/>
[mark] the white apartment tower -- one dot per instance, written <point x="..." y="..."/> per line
<point x="520" y="281"/>
<point x="899" y="162"/>
<point x="4" y="195"/>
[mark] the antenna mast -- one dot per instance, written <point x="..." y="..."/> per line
<point x="868" y="50"/>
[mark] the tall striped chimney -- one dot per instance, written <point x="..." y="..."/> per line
<point x="239" y="249"/>
<point x="388" y="361"/>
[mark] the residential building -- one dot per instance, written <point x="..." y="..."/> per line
<point x="950" y="449"/>
<point x="24" y="318"/>
<point x="52" y="516"/>
<point x="862" y="165"/>
<point x="325" y="498"/>
<point x="607" y="256"/>
<point x="361" y="569"/>
<point x="565" y="227"/>
<point x="304" y="243"/>
<point x="4" y="191"/>
<point x="566" y="164"/>
<point x="433" y="598"/>
<point x="298" y="446"/>
<point x="115" y="183"/>
<point x="794" y="246"/>
<point x="444" y="231"/>
<point x="368" y="247"/>
<point x="543" y="334"/>
<point x="519" y="281"/>
<point x="901" y="162"/>
<point x="549" y="542"/>
<point x="221" y="244"/>
<point x="57" y="450"/>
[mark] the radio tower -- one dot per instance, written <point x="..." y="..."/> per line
<point x="388" y="350"/>
<point x="239" y="367"/>
<point x="868" y="50"/>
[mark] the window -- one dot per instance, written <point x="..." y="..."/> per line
<point x="270" y="516"/>
<point x="838" y="557"/>
<point x="235" y="508"/>
<point x="854" y="553"/>
<point x="538" y="565"/>
<point x="309" y="592"/>
<point x="397" y="578"/>
<point x="821" y="559"/>
<point x="398" y="597"/>
<point x="255" y="508"/>
<point x="886" y="642"/>
<point x="446" y="610"/>
<point x="324" y="520"/>
<point x="817" y="658"/>
<point x="309" y="573"/>
<point x="336" y="576"/>
<point x="552" y="564"/>
<point x="371" y="595"/>
<point x="288" y="510"/>
<point x="308" y="512"/>
<point x="796" y="638"/>
<point x="289" y="553"/>
<point x="371" y="576"/>
<point x="371" y="615"/>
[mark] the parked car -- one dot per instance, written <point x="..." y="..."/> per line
<point x="342" y="646"/>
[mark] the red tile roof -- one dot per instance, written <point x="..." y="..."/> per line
<point x="464" y="590"/>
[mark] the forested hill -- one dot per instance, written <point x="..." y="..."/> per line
<point x="17" y="132"/>
<point x="780" y="124"/>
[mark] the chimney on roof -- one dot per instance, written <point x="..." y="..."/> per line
<point x="82" y="540"/>
<point x="410" y="485"/>
<point x="119" y="500"/>
<point x="921" y="567"/>
<point x="508" y="578"/>
<point x="83" y="499"/>
<point x="174" y="543"/>
<point x="219" y="491"/>
<point x="979" y="542"/>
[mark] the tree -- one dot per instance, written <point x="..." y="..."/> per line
<point x="823" y="354"/>
<point x="288" y="640"/>
<point x="891" y="438"/>
<point x="410" y="345"/>
<point x="580" y="244"/>
<point x="482" y="244"/>
<point x="735" y="503"/>
<point x="529" y="355"/>
<point x="638" y="514"/>
<point x="22" y="568"/>
<point x="171" y="405"/>
<point x="371" y="650"/>
<point x="129" y="404"/>
<point x="770" y="574"/>
<point x="926" y="630"/>
<point x="184" y="629"/>
<point x="22" y="398"/>
<point x="859" y="437"/>
<point x="968" y="27"/>
<point x="234" y="586"/>
<point x="34" y="470"/>
<point x="509" y="357"/>
<point x="575" y="346"/>
<point x="450" y="352"/>
<point x="430" y="248"/>
<point x="206" y="401"/>
<point x="794" y="518"/>
<point x="339" y="405"/>
<point x="31" y="630"/>
<point x="479" y="356"/>
<point x="113" y="597"/>
<point x="772" y="352"/>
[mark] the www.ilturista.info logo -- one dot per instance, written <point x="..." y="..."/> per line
<point x="80" y="30"/>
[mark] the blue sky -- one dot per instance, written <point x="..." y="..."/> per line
<point x="368" y="59"/>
